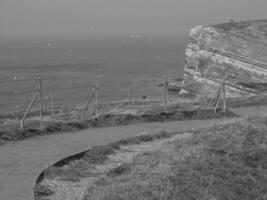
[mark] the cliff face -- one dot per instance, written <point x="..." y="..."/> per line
<point x="236" y="52"/>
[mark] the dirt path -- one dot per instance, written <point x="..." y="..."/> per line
<point x="22" y="161"/>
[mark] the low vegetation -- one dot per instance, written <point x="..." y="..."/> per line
<point x="75" y="167"/>
<point x="219" y="163"/>
<point x="223" y="162"/>
<point x="120" y="113"/>
<point x="107" y="119"/>
<point x="250" y="101"/>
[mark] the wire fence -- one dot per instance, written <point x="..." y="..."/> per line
<point x="48" y="96"/>
<point x="70" y="93"/>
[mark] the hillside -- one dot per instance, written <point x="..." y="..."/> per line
<point x="219" y="163"/>
<point x="227" y="162"/>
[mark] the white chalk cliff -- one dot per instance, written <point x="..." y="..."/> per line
<point x="236" y="51"/>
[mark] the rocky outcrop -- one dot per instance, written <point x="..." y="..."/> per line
<point x="235" y="52"/>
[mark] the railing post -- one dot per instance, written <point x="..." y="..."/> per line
<point x="41" y="102"/>
<point x="52" y="101"/>
<point x="96" y="97"/>
<point x="165" y="92"/>
<point x="28" y="109"/>
<point x="217" y="100"/>
<point x="224" y="95"/>
<point x="88" y="102"/>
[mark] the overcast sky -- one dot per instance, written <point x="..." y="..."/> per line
<point x="109" y="17"/>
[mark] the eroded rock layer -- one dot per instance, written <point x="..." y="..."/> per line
<point x="235" y="52"/>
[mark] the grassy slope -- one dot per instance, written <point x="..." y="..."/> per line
<point x="105" y="120"/>
<point x="225" y="162"/>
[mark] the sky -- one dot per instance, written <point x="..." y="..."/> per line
<point x="76" y="18"/>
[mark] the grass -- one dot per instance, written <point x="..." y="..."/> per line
<point x="222" y="162"/>
<point x="32" y="129"/>
<point x="234" y="25"/>
<point x="124" y="168"/>
<point x="43" y="191"/>
<point x="250" y="101"/>
<point x="69" y="122"/>
<point x="74" y="167"/>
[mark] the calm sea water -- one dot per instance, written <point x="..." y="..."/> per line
<point x="141" y="60"/>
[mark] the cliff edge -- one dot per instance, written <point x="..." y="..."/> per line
<point x="235" y="52"/>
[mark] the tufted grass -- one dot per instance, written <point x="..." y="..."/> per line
<point x="222" y="162"/>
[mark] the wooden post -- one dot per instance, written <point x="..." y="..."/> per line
<point x="52" y="101"/>
<point x="224" y="94"/>
<point x="205" y="93"/>
<point x="88" y="102"/>
<point x="165" y="92"/>
<point x="217" y="100"/>
<point x="28" y="109"/>
<point x="41" y="102"/>
<point x="96" y="97"/>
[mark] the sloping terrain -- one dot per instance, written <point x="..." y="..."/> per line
<point x="21" y="162"/>
<point x="221" y="162"/>
<point x="119" y="115"/>
<point x="225" y="162"/>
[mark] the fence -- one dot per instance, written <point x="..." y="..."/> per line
<point x="19" y="97"/>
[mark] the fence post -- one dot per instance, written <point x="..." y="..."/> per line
<point x="28" y="109"/>
<point x="217" y="100"/>
<point x="96" y="97"/>
<point x="52" y="101"/>
<point x="41" y="102"/>
<point x="165" y="92"/>
<point x="88" y="102"/>
<point x="204" y="88"/>
<point x="224" y="94"/>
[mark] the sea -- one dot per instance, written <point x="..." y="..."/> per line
<point x="70" y="67"/>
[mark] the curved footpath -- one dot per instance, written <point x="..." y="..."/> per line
<point x="22" y="161"/>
